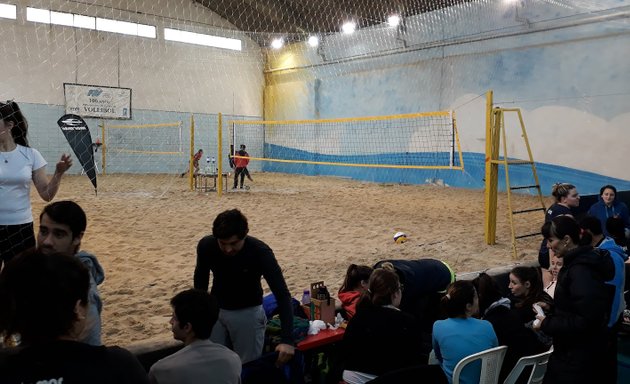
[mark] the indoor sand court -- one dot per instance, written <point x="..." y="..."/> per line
<point x="144" y="230"/>
<point x="148" y="62"/>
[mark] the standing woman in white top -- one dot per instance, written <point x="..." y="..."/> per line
<point x="19" y="164"/>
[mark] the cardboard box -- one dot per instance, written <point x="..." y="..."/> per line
<point x="322" y="309"/>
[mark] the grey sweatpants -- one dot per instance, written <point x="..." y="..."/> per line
<point x="242" y="330"/>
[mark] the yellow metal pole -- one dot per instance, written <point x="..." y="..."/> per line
<point x="531" y="158"/>
<point x="459" y="147"/>
<point x="192" y="152"/>
<point x="490" y="219"/>
<point x="103" y="147"/>
<point x="220" y="155"/>
<point x="507" y="181"/>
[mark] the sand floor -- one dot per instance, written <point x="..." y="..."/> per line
<point x="144" y="230"/>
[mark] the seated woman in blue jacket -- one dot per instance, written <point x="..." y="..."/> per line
<point x="609" y="206"/>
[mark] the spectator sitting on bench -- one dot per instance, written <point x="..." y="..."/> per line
<point x="62" y="225"/>
<point x="461" y="334"/>
<point x="354" y="284"/>
<point x="380" y="326"/>
<point x="201" y="361"/>
<point x="615" y="227"/>
<point x="609" y="206"/>
<point x="527" y="289"/>
<point x="507" y="325"/>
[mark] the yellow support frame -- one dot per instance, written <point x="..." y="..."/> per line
<point x="220" y="155"/>
<point x="492" y="171"/>
<point x="495" y="133"/>
<point x="191" y="171"/>
<point x="103" y="148"/>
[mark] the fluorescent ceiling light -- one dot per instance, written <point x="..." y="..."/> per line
<point x="62" y="18"/>
<point x="115" y="26"/>
<point x="201" y="39"/>
<point x="147" y="31"/>
<point x="37" y="15"/>
<point x="125" y="28"/>
<point x="86" y="22"/>
<point x="8" y="11"/>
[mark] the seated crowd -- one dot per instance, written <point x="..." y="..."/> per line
<point x="407" y="320"/>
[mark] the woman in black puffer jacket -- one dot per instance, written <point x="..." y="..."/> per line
<point x="582" y="302"/>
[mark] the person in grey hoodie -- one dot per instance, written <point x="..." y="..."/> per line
<point x="61" y="228"/>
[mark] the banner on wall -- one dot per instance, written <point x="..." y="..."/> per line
<point x="97" y="101"/>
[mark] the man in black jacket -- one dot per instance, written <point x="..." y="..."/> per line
<point x="237" y="262"/>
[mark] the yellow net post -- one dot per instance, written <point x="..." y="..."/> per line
<point x="103" y="147"/>
<point x="492" y="172"/>
<point x="220" y="155"/>
<point x="191" y="170"/>
<point x="458" y="144"/>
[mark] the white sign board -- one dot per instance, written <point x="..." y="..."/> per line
<point x="95" y="101"/>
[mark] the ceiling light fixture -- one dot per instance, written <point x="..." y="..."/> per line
<point x="313" y="41"/>
<point x="349" y="27"/>
<point x="393" y="20"/>
<point x="277" y="43"/>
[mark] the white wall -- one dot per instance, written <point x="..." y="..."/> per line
<point x="36" y="59"/>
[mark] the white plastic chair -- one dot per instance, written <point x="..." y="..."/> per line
<point x="539" y="367"/>
<point x="491" y="361"/>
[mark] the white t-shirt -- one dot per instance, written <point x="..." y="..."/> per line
<point x="16" y="173"/>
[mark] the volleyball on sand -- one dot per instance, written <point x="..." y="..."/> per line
<point x="400" y="237"/>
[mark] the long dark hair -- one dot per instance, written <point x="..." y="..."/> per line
<point x="458" y="296"/>
<point x="487" y="290"/>
<point x="354" y="276"/>
<point x="560" y="227"/>
<point x="383" y="283"/>
<point x="10" y="112"/>
<point x="531" y="274"/>
<point x="38" y="294"/>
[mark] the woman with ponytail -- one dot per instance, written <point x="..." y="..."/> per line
<point x="354" y="284"/>
<point x="461" y="334"/>
<point x="567" y="199"/>
<point x="19" y="164"/>
<point x="380" y="338"/>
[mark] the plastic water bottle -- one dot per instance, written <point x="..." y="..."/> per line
<point x="306" y="297"/>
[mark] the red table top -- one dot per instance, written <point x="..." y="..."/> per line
<point x="324" y="337"/>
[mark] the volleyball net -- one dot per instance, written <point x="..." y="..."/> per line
<point x="371" y="145"/>
<point x="144" y="148"/>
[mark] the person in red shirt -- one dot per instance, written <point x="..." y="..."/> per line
<point x="354" y="284"/>
<point x="196" y="158"/>
<point x="240" y="167"/>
